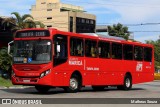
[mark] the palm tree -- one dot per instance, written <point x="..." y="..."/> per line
<point x="26" y="21"/>
<point x="119" y="30"/>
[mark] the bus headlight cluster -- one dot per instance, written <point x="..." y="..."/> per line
<point x="45" y="73"/>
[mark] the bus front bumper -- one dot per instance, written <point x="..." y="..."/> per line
<point x="46" y="80"/>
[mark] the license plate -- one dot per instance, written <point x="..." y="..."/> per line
<point x="26" y="80"/>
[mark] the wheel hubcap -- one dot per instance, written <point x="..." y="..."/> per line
<point x="73" y="83"/>
<point x="128" y="82"/>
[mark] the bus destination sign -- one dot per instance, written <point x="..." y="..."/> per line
<point x="33" y="33"/>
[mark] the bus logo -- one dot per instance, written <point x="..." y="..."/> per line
<point x="75" y="61"/>
<point x="139" y="66"/>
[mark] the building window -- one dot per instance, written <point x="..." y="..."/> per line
<point x="78" y="20"/>
<point x="49" y="9"/>
<point x="76" y="46"/>
<point x="48" y="18"/>
<point x="49" y="26"/>
<point x="71" y="19"/>
<point x="87" y="21"/>
<point x="91" y="21"/>
<point x="83" y="25"/>
<point x="83" y="20"/>
<point x="43" y="3"/>
<point x="71" y="24"/>
<point x="90" y="48"/>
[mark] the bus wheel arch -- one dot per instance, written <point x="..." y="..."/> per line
<point x="127" y="82"/>
<point x="75" y="82"/>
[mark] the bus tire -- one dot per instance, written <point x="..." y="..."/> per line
<point x="98" y="88"/>
<point x="127" y="84"/>
<point x="42" y="89"/>
<point x="74" y="84"/>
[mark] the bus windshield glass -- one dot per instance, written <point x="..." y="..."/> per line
<point x="33" y="52"/>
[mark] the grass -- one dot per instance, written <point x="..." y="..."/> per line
<point x="5" y="83"/>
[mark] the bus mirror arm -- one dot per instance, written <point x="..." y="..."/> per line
<point x="9" y="48"/>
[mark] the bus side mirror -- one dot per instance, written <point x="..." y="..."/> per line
<point x="58" y="48"/>
<point x="10" y="48"/>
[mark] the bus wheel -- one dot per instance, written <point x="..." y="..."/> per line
<point x="98" y="88"/>
<point x="42" y="89"/>
<point x="74" y="85"/>
<point x="127" y="85"/>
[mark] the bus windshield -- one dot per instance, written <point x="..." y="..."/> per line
<point x="32" y="51"/>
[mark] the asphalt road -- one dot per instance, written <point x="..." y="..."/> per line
<point x="144" y="90"/>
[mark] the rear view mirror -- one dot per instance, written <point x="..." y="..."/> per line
<point x="58" y="48"/>
<point x="10" y="48"/>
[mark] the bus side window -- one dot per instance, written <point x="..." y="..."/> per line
<point x="76" y="46"/>
<point x="90" y="48"/>
<point x="116" y="51"/>
<point x="60" y="49"/>
<point x="128" y="52"/>
<point x="104" y="49"/>
<point x="138" y="53"/>
<point x="148" y="54"/>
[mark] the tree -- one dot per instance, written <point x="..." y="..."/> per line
<point x="156" y="45"/>
<point x="119" y="30"/>
<point x="20" y="22"/>
<point x="5" y="60"/>
<point x="26" y="21"/>
<point x="8" y="24"/>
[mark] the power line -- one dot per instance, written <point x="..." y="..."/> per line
<point x="141" y="24"/>
<point x="145" y="31"/>
<point x="133" y="5"/>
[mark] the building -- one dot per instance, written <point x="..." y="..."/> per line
<point x="65" y="17"/>
<point x="101" y="28"/>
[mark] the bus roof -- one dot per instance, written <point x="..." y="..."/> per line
<point x="105" y="38"/>
<point x="90" y="36"/>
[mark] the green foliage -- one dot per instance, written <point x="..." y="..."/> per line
<point x="156" y="51"/>
<point x="26" y="21"/>
<point x="5" y="83"/>
<point x="21" y="22"/>
<point x="9" y="24"/>
<point x="5" y="60"/>
<point x="119" y="30"/>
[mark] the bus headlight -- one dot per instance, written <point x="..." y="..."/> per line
<point x="45" y="73"/>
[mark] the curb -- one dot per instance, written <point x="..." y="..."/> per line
<point x="14" y="87"/>
<point x="22" y="87"/>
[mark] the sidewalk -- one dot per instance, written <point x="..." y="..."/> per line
<point x="15" y="87"/>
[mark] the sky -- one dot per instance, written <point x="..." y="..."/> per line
<point x="142" y="17"/>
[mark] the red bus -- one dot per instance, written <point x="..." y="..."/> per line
<point x="52" y="58"/>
